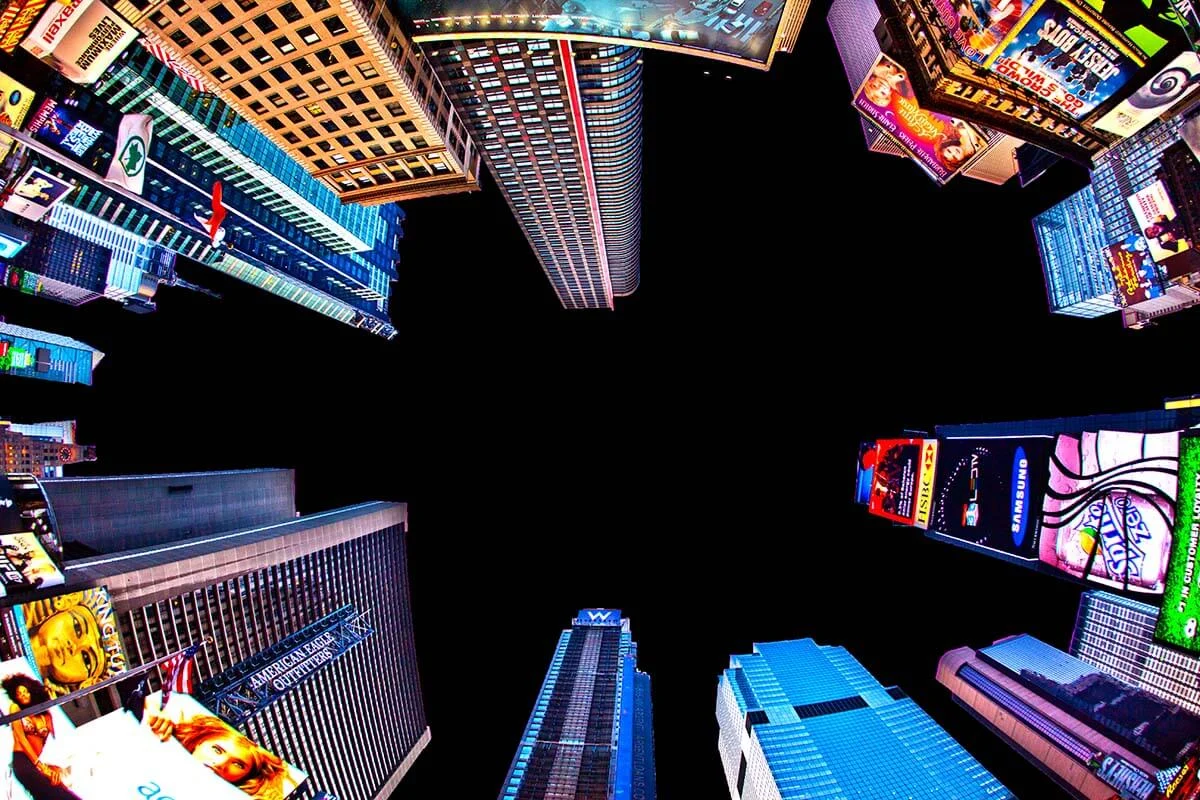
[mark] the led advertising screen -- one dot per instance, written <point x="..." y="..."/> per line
<point x="1110" y="507"/>
<point x="29" y="545"/>
<point x="16" y="20"/>
<point x="978" y="26"/>
<point x="80" y="39"/>
<point x="989" y="492"/>
<point x="1179" y="619"/>
<point x="1061" y="55"/>
<point x="742" y="30"/>
<point x="44" y="738"/>
<point x="1133" y="270"/>
<point x="903" y="487"/>
<point x="60" y="126"/>
<point x="865" y="474"/>
<point x="15" y="100"/>
<point x="73" y="639"/>
<point x="942" y="145"/>
<point x="1174" y="82"/>
<point x="1165" y="234"/>
<point x="36" y="192"/>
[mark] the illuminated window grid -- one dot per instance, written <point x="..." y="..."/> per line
<point x="358" y="720"/>
<point x="345" y="98"/>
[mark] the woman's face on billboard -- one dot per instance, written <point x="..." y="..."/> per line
<point x="68" y="646"/>
<point x="228" y="756"/>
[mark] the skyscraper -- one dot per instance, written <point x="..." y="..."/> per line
<point x="303" y="599"/>
<point x="30" y="353"/>
<point x="337" y="85"/>
<point x="1071" y="240"/>
<point x="41" y="448"/>
<point x="561" y="129"/>
<point x="1116" y="635"/>
<point x="1088" y="731"/>
<point x="590" y="735"/>
<point x="798" y="718"/>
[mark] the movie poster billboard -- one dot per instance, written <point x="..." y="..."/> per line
<point x="1133" y="271"/>
<point x="902" y="490"/>
<point x="28" y="543"/>
<point x="72" y="639"/>
<point x="989" y="492"/>
<point x="1059" y="54"/>
<point x="942" y="145"/>
<point x="1169" y="244"/>
<point x="1173" y="82"/>
<point x="61" y="127"/>
<point x="978" y="26"/>
<point x="1110" y="508"/>
<point x="46" y="736"/>
<point x="15" y="101"/>
<point x="36" y="192"/>
<point x="80" y="39"/>
<point x="1179" y="618"/>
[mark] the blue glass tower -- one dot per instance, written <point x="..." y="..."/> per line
<point x="590" y="736"/>
<point x="799" y="719"/>
<point x="30" y="353"/>
<point x="1071" y="240"/>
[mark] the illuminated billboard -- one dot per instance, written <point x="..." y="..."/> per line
<point x="942" y="145"/>
<point x="902" y="490"/>
<point x="60" y="126"/>
<point x="1110" y="507"/>
<point x="989" y="492"/>
<point x="36" y="192"/>
<point x="31" y="766"/>
<point x="1174" y="82"/>
<point x="1133" y="270"/>
<point x="73" y="639"/>
<point x="978" y="26"/>
<point x="865" y="473"/>
<point x="741" y="30"/>
<point x="80" y="39"/>
<point x="1165" y="233"/>
<point x="29" y="545"/>
<point x="1179" y="619"/>
<point x="1059" y="53"/>
<point x="16" y="20"/>
<point x="15" y="100"/>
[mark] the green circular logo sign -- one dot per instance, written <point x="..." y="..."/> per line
<point x="133" y="156"/>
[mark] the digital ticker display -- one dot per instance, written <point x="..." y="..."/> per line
<point x="989" y="492"/>
<point x="742" y="30"/>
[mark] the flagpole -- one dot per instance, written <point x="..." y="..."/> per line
<point x="104" y="684"/>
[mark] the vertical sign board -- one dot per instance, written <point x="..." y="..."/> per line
<point x="903" y="487"/>
<point x="1179" y="618"/>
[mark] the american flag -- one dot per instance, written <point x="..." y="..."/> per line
<point x="180" y="671"/>
<point x="175" y="65"/>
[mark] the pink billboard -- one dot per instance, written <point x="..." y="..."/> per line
<point x="1110" y="507"/>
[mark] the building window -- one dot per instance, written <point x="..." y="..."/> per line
<point x="395" y="109"/>
<point x="298" y="92"/>
<point x="280" y="74"/>
<point x="260" y="83"/>
<point x="276" y="123"/>
<point x="381" y="91"/>
<point x="180" y="7"/>
<point x="336" y="103"/>
<point x="368" y="72"/>
<point x="408" y="126"/>
<point x="350" y="120"/>
<point x="291" y="137"/>
<point x="365" y="137"/>
<point x="240" y="92"/>
<point x="276" y="100"/>
<point x="307" y="151"/>
<point x="284" y="45"/>
<point x="386" y="131"/>
<point x="258" y="108"/>
<point x="318" y="5"/>
<point x="302" y="66"/>
<point x="319" y="84"/>
<point x="290" y="13"/>
<point x="352" y="50"/>
<point x="315" y="109"/>
<point x="372" y="114"/>
<point x="294" y="117"/>
<point x="180" y="38"/>
<point x="265" y="23"/>
<point x="221" y="14"/>
<point x="201" y="57"/>
<point x="161" y="20"/>
<point x="242" y="35"/>
<point x="201" y="27"/>
<point x="334" y="25"/>
<point x="247" y="5"/>
<point x="344" y="141"/>
<point x="220" y="74"/>
<point x="309" y="35"/>
<point x="309" y="132"/>
<point x="240" y="64"/>
<point x="329" y="125"/>
<point x="342" y="77"/>
<point x="358" y="97"/>
<point x="261" y="55"/>
<point x="320" y="163"/>
<point x="221" y="46"/>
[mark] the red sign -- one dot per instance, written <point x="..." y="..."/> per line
<point x="16" y="21"/>
<point x="899" y="468"/>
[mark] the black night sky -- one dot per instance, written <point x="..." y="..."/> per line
<point x="688" y="458"/>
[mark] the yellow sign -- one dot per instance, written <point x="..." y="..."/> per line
<point x="925" y="485"/>
<point x="15" y="101"/>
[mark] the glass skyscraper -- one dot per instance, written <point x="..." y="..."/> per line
<point x="30" y="353"/>
<point x="1116" y="634"/>
<point x="590" y="736"/>
<point x="1071" y="239"/>
<point x="799" y="719"/>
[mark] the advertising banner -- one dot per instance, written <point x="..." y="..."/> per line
<point x="1176" y="81"/>
<point x="1061" y="55"/>
<point x="44" y="738"/>
<point x="942" y="145"/>
<point x="1168" y="241"/>
<point x="28" y="542"/>
<point x="1130" y="781"/>
<point x="1133" y="271"/>
<point x="1181" y="782"/>
<point x="60" y="126"/>
<point x="15" y="100"/>
<point x="1179" y="618"/>
<point x="989" y="492"/>
<point x="1110" y="507"/>
<point x="128" y="166"/>
<point x="16" y="20"/>
<point x="80" y="39"/>
<point x="73" y="639"/>
<point x="902" y="468"/>
<point x="20" y="280"/>
<point x="744" y="30"/>
<point x="978" y="26"/>
<point x="36" y="192"/>
<point x="865" y="474"/>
